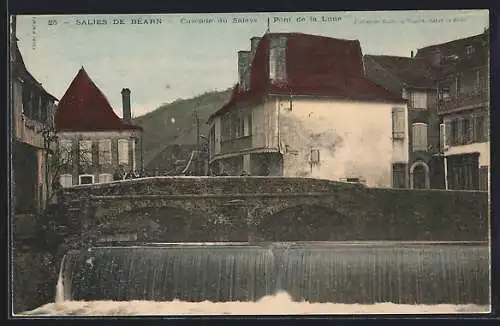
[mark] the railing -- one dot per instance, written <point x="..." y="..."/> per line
<point x="470" y="100"/>
<point x="236" y="145"/>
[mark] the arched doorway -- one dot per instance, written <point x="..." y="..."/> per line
<point x="419" y="176"/>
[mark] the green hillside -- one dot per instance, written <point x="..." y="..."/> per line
<point x="173" y="123"/>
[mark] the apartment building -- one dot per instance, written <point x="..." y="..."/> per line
<point x="464" y="109"/>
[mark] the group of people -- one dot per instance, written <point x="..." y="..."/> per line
<point x="124" y="175"/>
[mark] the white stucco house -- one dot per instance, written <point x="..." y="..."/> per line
<point x="303" y="108"/>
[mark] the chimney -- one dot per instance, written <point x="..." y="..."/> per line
<point x="243" y="66"/>
<point x="126" y="105"/>
<point x="436" y="59"/>
<point x="254" y="42"/>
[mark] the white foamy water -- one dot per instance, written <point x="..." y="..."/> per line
<point x="279" y="304"/>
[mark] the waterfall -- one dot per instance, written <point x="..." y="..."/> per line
<point x="60" y="283"/>
<point x="363" y="273"/>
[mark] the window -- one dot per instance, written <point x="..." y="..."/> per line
<point x="458" y="84"/>
<point x="442" y="137"/>
<point x="66" y="180"/>
<point x="65" y="151"/>
<point x="467" y="130"/>
<point x="236" y="126"/>
<point x="483" y="178"/>
<point x="212" y="140"/>
<point x="105" y="177"/>
<point x="419" y="100"/>
<point x="398" y="123"/>
<point x="481" y="128"/>
<point x="314" y="156"/>
<point x="463" y="171"/>
<point x="122" y="151"/>
<point x="35" y="106"/>
<point x="399" y="175"/>
<point x="247" y="127"/>
<point x="456" y="134"/>
<point x="469" y="50"/>
<point x="226" y="128"/>
<point x="285" y="103"/>
<point x="86" y="179"/>
<point x="104" y="151"/>
<point x="419" y="132"/>
<point x="26" y="100"/>
<point x="85" y="152"/>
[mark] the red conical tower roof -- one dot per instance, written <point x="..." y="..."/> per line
<point x="85" y="108"/>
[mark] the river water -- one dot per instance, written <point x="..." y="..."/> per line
<point x="279" y="304"/>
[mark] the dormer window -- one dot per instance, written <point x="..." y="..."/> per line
<point x="469" y="50"/>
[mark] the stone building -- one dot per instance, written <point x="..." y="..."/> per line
<point x="32" y="111"/>
<point x="303" y="107"/>
<point x="463" y="67"/>
<point x="94" y="144"/>
<point x="415" y="80"/>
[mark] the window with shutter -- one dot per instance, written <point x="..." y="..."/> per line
<point x="314" y="156"/>
<point x="104" y="151"/>
<point x="467" y="128"/>
<point x="105" y="177"/>
<point x="483" y="178"/>
<point x="460" y="131"/>
<point x="479" y="132"/>
<point x="448" y="129"/>
<point x="85" y="154"/>
<point x="398" y="123"/>
<point x="66" y="180"/>
<point x="486" y="127"/>
<point x="442" y="137"/>
<point x="65" y="151"/>
<point x="123" y="151"/>
<point x="419" y="100"/>
<point x="247" y="124"/>
<point x="399" y="175"/>
<point x="419" y="139"/>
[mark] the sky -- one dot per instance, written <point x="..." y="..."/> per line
<point x="184" y="55"/>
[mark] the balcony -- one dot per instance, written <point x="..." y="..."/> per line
<point x="236" y="144"/>
<point x="464" y="101"/>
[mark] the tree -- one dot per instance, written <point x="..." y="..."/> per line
<point x="57" y="158"/>
<point x="50" y="138"/>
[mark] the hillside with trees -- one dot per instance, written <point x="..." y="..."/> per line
<point x="174" y="123"/>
